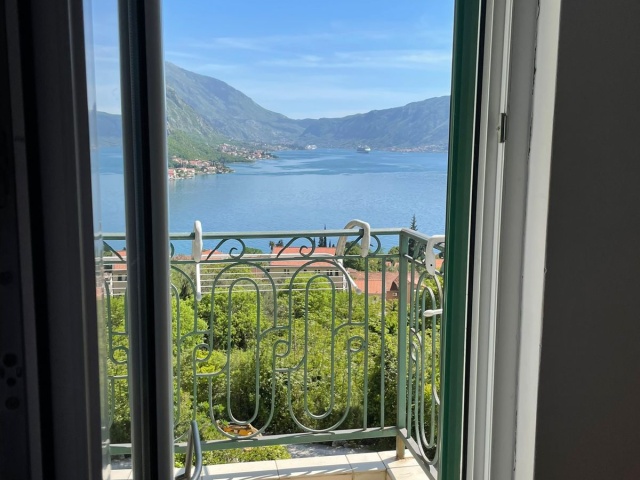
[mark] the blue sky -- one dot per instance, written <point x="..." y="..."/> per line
<point x="302" y="58"/>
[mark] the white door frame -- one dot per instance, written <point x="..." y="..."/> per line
<point x="519" y="67"/>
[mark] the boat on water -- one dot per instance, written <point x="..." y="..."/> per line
<point x="310" y="147"/>
<point x="363" y="149"/>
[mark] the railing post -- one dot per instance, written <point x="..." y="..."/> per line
<point x="401" y="419"/>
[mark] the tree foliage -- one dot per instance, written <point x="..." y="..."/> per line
<point x="355" y="261"/>
<point x="316" y="353"/>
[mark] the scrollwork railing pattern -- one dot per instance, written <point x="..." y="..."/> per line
<point x="295" y="342"/>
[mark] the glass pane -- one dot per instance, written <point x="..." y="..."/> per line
<point x="300" y="117"/>
<point x="97" y="229"/>
<point x="103" y="75"/>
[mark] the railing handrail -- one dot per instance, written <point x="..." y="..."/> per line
<point x="269" y="234"/>
<point x="416" y="235"/>
<point x="221" y="257"/>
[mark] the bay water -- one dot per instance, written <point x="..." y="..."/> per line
<point x="299" y="190"/>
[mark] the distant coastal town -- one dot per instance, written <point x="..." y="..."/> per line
<point x="182" y="168"/>
<point x="439" y="148"/>
<point x="245" y="154"/>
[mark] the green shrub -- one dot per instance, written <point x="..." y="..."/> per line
<point x="296" y="368"/>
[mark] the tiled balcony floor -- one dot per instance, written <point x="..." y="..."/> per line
<point x="359" y="466"/>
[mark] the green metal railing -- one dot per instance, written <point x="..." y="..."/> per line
<point x="295" y="346"/>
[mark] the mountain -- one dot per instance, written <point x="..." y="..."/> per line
<point x="224" y="109"/>
<point x="109" y="128"/>
<point x="203" y="112"/>
<point x="414" y="125"/>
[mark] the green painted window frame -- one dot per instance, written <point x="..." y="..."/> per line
<point x="459" y="233"/>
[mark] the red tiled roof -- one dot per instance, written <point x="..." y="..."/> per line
<point x="206" y="253"/>
<point x="113" y="259"/>
<point x="416" y="277"/>
<point x="296" y="251"/>
<point x="374" y="280"/>
<point x="284" y="263"/>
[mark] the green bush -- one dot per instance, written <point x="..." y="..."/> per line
<point x="296" y="369"/>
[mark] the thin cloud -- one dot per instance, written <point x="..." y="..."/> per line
<point x="281" y="42"/>
<point x="217" y="68"/>
<point x="382" y="59"/>
<point x="231" y="43"/>
<point x="396" y="57"/>
<point x="373" y="96"/>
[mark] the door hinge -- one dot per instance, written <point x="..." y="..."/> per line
<point x="502" y="128"/>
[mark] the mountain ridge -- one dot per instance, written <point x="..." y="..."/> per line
<point x="209" y="111"/>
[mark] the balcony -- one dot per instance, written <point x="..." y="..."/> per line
<point x="311" y="342"/>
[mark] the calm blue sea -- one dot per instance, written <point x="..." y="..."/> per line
<point x="299" y="190"/>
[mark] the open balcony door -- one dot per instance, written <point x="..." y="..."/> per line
<point x="50" y="136"/>
<point x="147" y="234"/>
